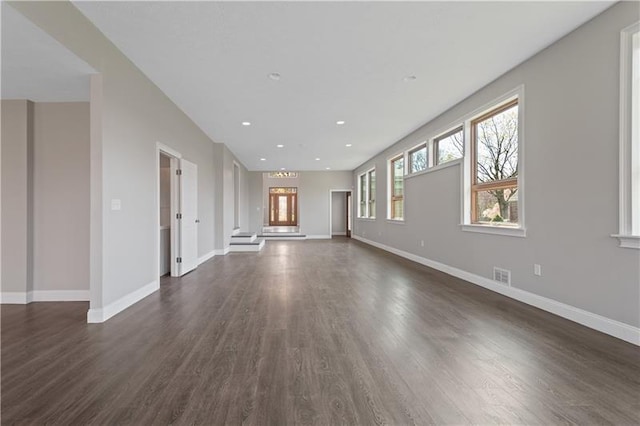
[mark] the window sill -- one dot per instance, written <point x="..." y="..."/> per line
<point x="495" y="230"/>
<point x="396" y="221"/>
<point x="367" y="219"/>
<point x="628" y="241"/>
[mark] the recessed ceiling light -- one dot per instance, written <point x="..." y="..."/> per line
<point x="317" y="159"/>
<point x="328" y="168"/>
<point x="340" y="122"/>
<point x="280" y="145"/>
<point x="348" y="145"/>
<point x="263" y="159"/>
<point x="409" y="78"/>
<point x="274" y="76"/>
<point x="282" y="168"/>
<point x="246" y="123"/>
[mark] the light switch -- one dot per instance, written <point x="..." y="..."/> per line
<point x="116" y="204"/>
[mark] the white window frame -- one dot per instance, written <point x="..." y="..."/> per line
<point x="390" y="160"/>
<point x="496" y="229"/>
<point x="449" y="132"/>
<point x="629" y="154"/>
<point x="423" y="144"/>
<point x="367" y="214"/>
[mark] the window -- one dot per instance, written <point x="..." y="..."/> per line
<point x="372" y="193"/>
<point x="362" y="206"/>
<point x="418" y="159"/>
<point x="396" y="210"/>
<point x="629" y="163"/>
<point x="494" y="166"/>
<point x="449" y="146"/>
<point x="367" y="194"/>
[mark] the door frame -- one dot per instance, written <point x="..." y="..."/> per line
<point x="174" y="157"/>
<point x="290" y="194"/>
<point x="331" y="191"/>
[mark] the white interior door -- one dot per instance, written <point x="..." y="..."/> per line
<point x="189" y="219"/>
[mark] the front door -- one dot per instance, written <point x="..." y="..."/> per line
<point x="283" y="206"/>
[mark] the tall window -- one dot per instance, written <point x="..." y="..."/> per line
<point x="449" y="146"/>
<point x="629" y="163"/>
<point x="362" y="206"/>
<point x="397" y="188"/>
<point x="371" y="177"/>
<point x="418" y="159"/>
<point x="494" y="162"/>
<point x="367" y="194"/>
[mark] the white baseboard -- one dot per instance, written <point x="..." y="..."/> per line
<point x="339" y="233"/>
<point x="221" y="252"/>
<point x="103" y="314"/>
<point x="61" y="295"/>
<point x="206" y="257"/>
<point x="16" y="297"/>
<point x="318" y="237"/>
<point x="605" y="325"/>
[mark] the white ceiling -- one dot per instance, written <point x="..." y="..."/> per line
<point x="37" y="67"/>
<point x="337" y="61"/>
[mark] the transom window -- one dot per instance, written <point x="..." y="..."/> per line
<point x="449" y="146"/>
<point x="494" y="162"/>
<point x="396" y="211"/>
<point x="418" y="159"/>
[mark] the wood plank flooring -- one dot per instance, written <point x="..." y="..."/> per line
<point x="315" y="332"/>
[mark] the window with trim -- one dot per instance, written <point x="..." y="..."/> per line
<point x="418" y="158"/>
<point x="449" y="146"/>
<point x="396" y="199"/>
<point x="362" y="192"/>
<point x="629" y="162"/>
<point x="371" y="181"/>
<point x="367" y="194"/>
<point x="494" y="166"/>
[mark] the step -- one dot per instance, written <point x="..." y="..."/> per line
<point x="249" y="246"/>
<point x="235" y="231"/>
<point x="282" y="236"/>
<point x="243" y="237"/>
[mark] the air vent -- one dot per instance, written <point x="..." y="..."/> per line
<point x="502" y="275"/>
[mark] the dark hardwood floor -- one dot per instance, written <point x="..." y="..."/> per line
<point x="315" y="332"/>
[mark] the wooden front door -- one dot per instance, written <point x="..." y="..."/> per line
<point x="283" y="207"/>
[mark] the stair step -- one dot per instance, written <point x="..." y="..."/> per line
<point x="243" y="237"/>
<point x="246" y="246"/>
<point x="282" y="236"/>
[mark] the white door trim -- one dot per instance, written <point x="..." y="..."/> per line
<point x="331" y="191"/>
<point x="174" y="156"/>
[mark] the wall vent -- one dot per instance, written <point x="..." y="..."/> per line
<point x="502" y="275"/>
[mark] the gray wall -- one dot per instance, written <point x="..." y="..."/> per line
<point x="313" y="198"/>
<point x="129" y="115"/>
<point x="17" y="196"/>
<point x="61" y="196"/>
<point x="571" y="161"/>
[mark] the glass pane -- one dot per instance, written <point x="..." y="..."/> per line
<point x="293" y="209"/>
<point x="497" y="146"/>
<point x="451" y="147"/>
<point x="273" y="209"/>
<point x="289" y="190"/>
<point x="398" y="177"/>
<point x="418" y="159"/>
<point x="397" y="209"/>
<point x="498" y="206"/>
<point x="363" y="196"/>
<point x="282" y="209"/>
<point x="372" y="193"/>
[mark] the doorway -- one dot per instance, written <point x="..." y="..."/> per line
<point x="283" y="206"/>
<point x="177" y="208"/>
<point x="340" y="212"/>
